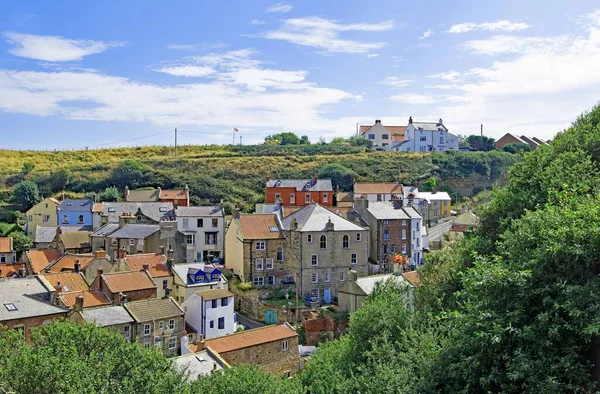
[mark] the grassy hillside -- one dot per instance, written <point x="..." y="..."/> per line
<point x="234" y="174"/>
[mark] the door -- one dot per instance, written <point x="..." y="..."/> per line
<point x="270" y="316"/>
<point x="327" y="296"/>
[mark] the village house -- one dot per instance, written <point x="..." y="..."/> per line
<point x="439" y="206"/>
<point x="323" y="248"/>
<point x="274" y="349"/>
<point x="88" y="264"/>
<point x="114" y="317"/>
<point x="509" y="138"/>
<point x="427" y="137"/>
<point x="69" y="286"/>
<point x="144" y="212"/>
<point x="201" y="363"/>
<point x="196" y="277"/>
<point x="37" y="260"/>
<point x="26" y="304"/>
<point x="42" y="214"/>
<point x="179" y="197"/>
<point x="299" y="192"/>
<point x="156" y="264"/>
<point x="256" y="250"/>
<point x="210" y="313"/>
<point x="382" y="191"/>
<point x="465" y="222"/>
<point x="75" y="212"/>
<point x="8" y="255"/>
<point x="159" y="322"/>
<point x="204" y="231"/>
<point x="353" y="294"/>
<point x="11" y="270"/>
<point x="135" y="285"/>
<point x="383" y="137"/>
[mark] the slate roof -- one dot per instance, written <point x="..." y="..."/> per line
<point x="40" y="259"/>
<point x="385" y="210"/>
<point x="157" y="263"/>
<point x="75" y="239"/>
<point x="76" y="205"/>
<point x="183" y="270"/>
<point x="135" y="231"/>
<point x="6" y="245"/>
<point x="91" y="298"/>
<point x="156" y="211"/>
<point x="29" y="296"/>
<point x="322" y="185"/>
<point x="377" y="188"/>
<point x="108" y="316"/>
<point x="412" y="212"/>
<point x="127" y="281"/>
<point x="367" y="283"/>
<point x="44" y="234"/>
<point x="153" y="309"/>
<point x="434" y="196"/>
<point x="216" y="211"/>
<point x="314" y="217"/>
<point x="429" y="126"/>
<point x="260" y="226"/>
<point x="105" y="230"/>
<point x="70" y="281"/>
<point x="67" y="262"/>
<point x="214" y="294"/>
<point x="249" y="338"/>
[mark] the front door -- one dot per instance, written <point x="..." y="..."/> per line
<point x="327" y="296"/>
<point x="270" y="316"/>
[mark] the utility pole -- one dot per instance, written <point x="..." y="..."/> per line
<point x="175" y="142"/>
<point x="240" y="140"/>
<point x="482" y="129"/>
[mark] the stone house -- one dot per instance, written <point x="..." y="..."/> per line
<point x="114" y="317"/>
<point x="88" y="264"/>
<point x="439" y="206"/>
<point x="42" y="214"/>
<point x="179" y="197"/>
<point x="134" y="285"/>
<point x="204" y="231"/>
<point x="210" y="313"/>
<point x="324" y="247"/>
<point x="298" y="192"/>
<point x="159" y="322"/>
<point x="156" y="264"/>
<point x="37" y="260"/>
<point x="196" y="277"/>
<point x="427" y="137"/>
<point x="144" y="212"/>
<point x="380" y="191"/>
<point x="7" y="252"/>
<point x="274" y="349"/>
<point x="353" y="294"/>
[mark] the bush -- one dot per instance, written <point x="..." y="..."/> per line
<point x="245" y="286"/>
<point x="516" y="148"/>
<point x="26" y="195"/>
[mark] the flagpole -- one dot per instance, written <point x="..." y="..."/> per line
<point x="233" y="136"/>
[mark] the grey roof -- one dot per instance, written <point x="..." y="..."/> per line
<point x="154" y="210"/>
<point x="108" y="316"/>
<point x="383" y="210"/>
<point x="143" y="195"/>
<point x="322" y="185"/>
<point x="183" y="270"/>
<point x="314" y="217"/>
<point x="153" y="309"/>
<point x="367" y="283"/>
<point x="29" y="296"/>
<point x="135" y="231"/>
<point x="201" y="363"/>
<point x="44" y="234"/>
<point x="429" y="126"/>
<point x="200" y="211"/>
<point x="413" y="213"/>
<point x="434" y="196"/>
<point x="105" y="230"/>
<point x="72" y="229"/>
<point x="76" y="205"/>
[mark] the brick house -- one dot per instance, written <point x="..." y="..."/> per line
<point x="135" y="285"/>
<point x="323" y="248"/>
<point x="159" y="322"/>
<point x="88" y="264"/>
<point x="299" y="192"/>
<point x="157" y="266"/>
<point x="274" y="349"/>
<point x="257" y="249"/>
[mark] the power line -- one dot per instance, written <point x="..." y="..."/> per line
<point x="120" y="142"/>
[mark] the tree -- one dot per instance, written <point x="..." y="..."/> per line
<point x="359" y="141"/>
<point x="516" y="148"/>
<point x="111" y="194"/>
<point x="338" y="141"/>
<point x="60" y="179"/>
<point x="463" y="141"/>
<point x="429" y="185"/>
<point x="21" y="242"/>
<point x="481" y="143"/>
<point x="243" y="379"/>
<point x="284" y="138"/>
<point x="25" y="195"/>
<point x="339" y="175"/>
<point x="304" y="140"/>
<point x="27" y="167"/>
<point x="131" y="173"/>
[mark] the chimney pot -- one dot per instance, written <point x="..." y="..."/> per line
<point x="58" y="287"/>
<point x="377" y="121"/>
<point x="410" y="120"/>
<point x="122" y="253"/>
<point x="145" y="267"/>
<point x="167" y="292"/>
<point x="267" y="178"/>
<point x="315" y="180"/>
<point x="79" y="303"/>
<point x="162" y="250"/>
<point x="21" y="272"/>
<point x="77" y="266"/>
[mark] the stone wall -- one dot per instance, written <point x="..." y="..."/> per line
<point x="32" y="322"/>
<point x="322" y="327"/>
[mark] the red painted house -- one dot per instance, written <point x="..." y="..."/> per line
<point x="299" y="192"/>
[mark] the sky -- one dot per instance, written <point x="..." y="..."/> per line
<point x="77" y="74"/>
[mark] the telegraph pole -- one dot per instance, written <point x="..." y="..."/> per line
<point x="482" y="129"/>
<point x="175" y="142"/>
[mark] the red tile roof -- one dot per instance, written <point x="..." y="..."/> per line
<point x="172" y="194"/>
<point x="40" y="259"/>
<point x="260" y="226"/>
<point x="9" y="270"/>
<point x="250" y="338"/>
<point x="413" y="277"/>
<point x="6" y="244"/>
<point x="69" y="280"/>
<point x="91" y="298"/>
<point x="157" y="263"/>
<point x="67" y="262"/>
<point x="377" y="188"/>
<point x="128" y="281"/>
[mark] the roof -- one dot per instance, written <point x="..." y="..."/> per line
<point x="413" y="277"/>
<point x="435" y="126"/>
<point x="29" y="296"/>
<point x="153" y="309"/>
<point x="367" y="283"/>
<point x="249" y="338"/>
<point x="384" y="210"/>
<point x="91" y="298"/>
<point x="260" y="226"/>
<point x="214" y="294"/>
<point x="76" y="205"/>
<point x="70" y="280"/>
<point x="183" y="270"/>
<point x="314" y="217"/>
<point x="152" y="195"/>
<point x="397" y="132"/>
<point x="200" y="211"/>
<point x="6" y="245"/>
<point x="67" y="262"/>
<point x="467" y="218"/>
<point x="197" y="364"/>
<point x="437" y="196"/>
<point x="75" y="239"/>
<point x="135" y="231"/>
<point x="157" y="263"/>
<point x="44" y="234"/>
<point x="512" y="136"/>
<point x="127" y="281"/>
<point x="412" y="212"/>
<point x="377" y="188"/>
<point x="322" y="185"/>
<point x="105" y="230"/>
<point x="108" y="316"/>
<point x="156" y="211"/>
<point x="9" y="270"/>
<point x="40" y="259"/>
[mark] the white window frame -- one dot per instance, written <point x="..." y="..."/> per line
<point x="259" y="264"/>
<point x="261" y="245"/>
<point x="309" y="238"/>
<point x="403" y="249"/>
<point x="358" y="237"/>
<point x="127" y="332"/>
<point x="386" y="222"/>
<point x="292" y="198"/>
<point x="345" y="242"/>
<point x="269" y="263"/>
<point x="307" y="198"/>
<point x="403" y="223"/>
<point x="132" y="242"/>
<point x="191" y="237"/>
<point x="258" y="281"/>
<point x="146" y="330"/>
<point x="353" y="258"/>
<point x="314" y="260"/>
<point x="172" y="343"/>
<point x="315" y="297"/>
<point x="321" y="239"/>
<point x="161" y="325"/>
<point x="403" y="234"/>
<point x="327" y="277"/>
<point x="280" y="249"/>
<point x="45" y="218"/>
<point x="325" y="197"/>
<point x="186" y="223"/>
<point x="171" y="324"/>
<point x="277" y="197"/>
<point x="386" y="235"/>
<point x="284" y="346"/>
<point x="314" y="277"/>
<point x="341" y="276"/>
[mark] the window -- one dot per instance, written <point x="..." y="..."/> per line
<point x="353" y="258"/>
<point x="386" y="222"/>
<point x="224" y="301"/>
<point x="357" y="237"/>
<point x="404" y="223"/>
<point x="30" y="218"/>
<point x="403" y="233"/>
<point x="403" y="249"/>
<point x="307" y="198"/>
<point x="386" y="235"/>
<point x="418" y="225"/>
<point x="161" y="325"/>
<point x="215" y="222"/>
<point x="147" y="345"/>
<point x="165" y="283"/>
<point x="314" y="260"/>
<point x="345" y="241"/>
<point x="418" y="242"/>
<point x="309" y="238"/>
<point x="172" y="324"/>
<point x="20" y="329"/>
<point x="324" y="197"/>
<point x="271" y="280"/>
<point x="162" y="209"/>
<point x="186" y="223"/>
<point x="269" y="263"/>
<point x="211" y="324"/>
<point x="132" y="242"/>
<point x="126" y="332"/>
<point x="385" y="248"/>
<point x="414" y="234"/>
<point x="292" y="198"/>
<point x="10" y="307"/>
<point x="445" y="203"/>
<point x="341" y="276"/>
<point x="385" y="136"/>
<point x="284" y="346"/>
<point x="210" y="238"/>
<point x="258" y="264"/>
<point x="379" y="197"/>
<point x="146" y="330"/>
<point x="213" y="304"/>
<point x="260" y="245"/>
<point x="277" y="197"/>
<point x="80" y="219"/>
<point x="45" y="218"/>
<point x="422" y="138"/>
<point x="172" y="343"/>
<point x="258" y="281"/>
<point x="65" y="219"/>
<point x="327" y="277"/>
<point x="323" y="242"/>
<point x="221" y="323"/>
<point x="441" y="140"/>
<point x="140" y="242"/>
<point x="190" y="239"/>
<point x="200" y="223"/>
<point x="279" y="254"/>
<point x="371" y="136"/>
<point x="314" y="294"/>
<point x="393" y="248"/>
<point x="314" y="277"/>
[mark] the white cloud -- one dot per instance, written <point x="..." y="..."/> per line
<point x="446" y="76"/>
<point x="372" y="55"/>
<point x="396" y="82"/>
<point x="187" y="71"/>
<point x="257" y="22"/>
<point x="500" y="25"/>
<point x="502" y="44"/>
<point x="197" y="47"/>
<point x="325" y="34"/>
<point x="279" y="8"/>
<point x="413" y="99"/>
<point x="54" y="48"/>
<point x="427" y="33"/>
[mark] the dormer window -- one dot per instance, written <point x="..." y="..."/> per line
<point x="162" y="209"/>
<point x="69" y="203"/>
<point x="112" y="210"/>
<point x="308" y="186"/>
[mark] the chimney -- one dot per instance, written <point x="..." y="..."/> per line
<point x="21" y="272"/>
<point x="397" y="268"/>
<point x="267" y="178"/>
<point x="77" y="266"/>
<point x="440" y="122"/>
<point x="59" y="230"/>
<point x="361" y="204"/>
<point x="337" y="188"/>
<point x="314" y="180"/>
<point x="62" y="196"/>
<point x="293" y="224"/>
<point x="79" y="303"/>
<point x="200" y="345"/>
<point x="167" y="292"/>
<point x="352" y="276"/>
<point x="410" y="120"/>
<point x="119" y="298"/>
<point x="170" y="254"/>
<point x="122" y="253"/>
<point x="123" y="299"/>
<point x="377" y="121"/>
<point x="187" y="193"/>
<point x="159" y="190"/>
<point x="100" y="254"/>
<point x="126" y="193"/>
<point x="145" y="267"/>
<point x="236" y="213"/>
<point x="58" y="287"/>
<point x="99" y="278"/>
<point x="329" y="225"/>
<point x="162" y="250"/>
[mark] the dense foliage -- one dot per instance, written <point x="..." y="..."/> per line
<point x="516" y="148"/>
<point x="481" y="143"/>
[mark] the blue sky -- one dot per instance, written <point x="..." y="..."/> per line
<point x="84" y="74"/>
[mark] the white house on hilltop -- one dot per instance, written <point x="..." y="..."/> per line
<point x="383" y="137"/>
<point x="426" y="137"/>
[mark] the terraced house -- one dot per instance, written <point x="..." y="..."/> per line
<point x="299" y="192"/>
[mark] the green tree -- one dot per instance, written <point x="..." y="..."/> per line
<point x="21" y="242"/>
<point x="338" y="141"/>
<point x="481" y="143"/>
<point x="60" y="179"/>
<point x="339" y="175"/>
<point x="25" y="195"/>
<point x="243" y="379"/>
<point x="111" y="194"/>
<point x="131" y="173"/>
<point x="27" y="167"/>
<point x="516" y="148"/>
<point x="304" y="140"/>
<point x="284" y="138"/>
<point x="359" y="141"/>
<point x="429" y="185"/>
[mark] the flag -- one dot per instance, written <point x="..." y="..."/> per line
<point x="235" y="130"/>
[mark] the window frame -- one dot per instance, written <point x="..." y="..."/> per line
<point x="259" y="264"/>
<point x="314" y="260"/>
<point x="171" y="324"/>
<point x="314" y="277"/>
<point x="147" y="330"/>
<point x="354" y="258"/>
<point x="323" y="241"/>
<point x="261" y="245"/>
<point x="219" y="325"/>
<point x="345" y="242"/>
